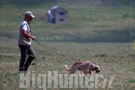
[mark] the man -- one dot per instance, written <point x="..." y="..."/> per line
<point x="24" y="42"/>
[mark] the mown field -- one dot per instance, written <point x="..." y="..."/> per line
<point x="113" y="58"/>
<point x="98" y="31"/>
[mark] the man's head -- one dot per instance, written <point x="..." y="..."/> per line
<point x="29" y="16"/>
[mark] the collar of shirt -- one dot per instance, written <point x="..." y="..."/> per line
<point x="26" y="21"/>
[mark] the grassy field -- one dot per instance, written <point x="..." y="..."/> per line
<point x="90" y="21"/>
<point x="97" y="31"/>
<point x="113" y="58"/>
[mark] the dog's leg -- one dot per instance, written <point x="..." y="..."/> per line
<point x="73" y="70"/>
<point x="83" y="73"/>
<point x="90" y="73"/>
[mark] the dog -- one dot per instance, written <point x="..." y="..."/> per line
<point x="86" y="67"/>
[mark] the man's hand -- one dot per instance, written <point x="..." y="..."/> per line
<point x="28" y="35"/>
<point x="33" y="37"/>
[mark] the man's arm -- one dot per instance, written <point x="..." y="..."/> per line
<point x="28" y="35"/>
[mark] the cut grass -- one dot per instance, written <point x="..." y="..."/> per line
<point x="113" y="58"/>
<point x="89" y="21"/>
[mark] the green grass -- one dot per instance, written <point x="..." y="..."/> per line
<point x="113" y="58"/>
<point x="88" y="21"/>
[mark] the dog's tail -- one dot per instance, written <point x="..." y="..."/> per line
<point x="68" y="69"/>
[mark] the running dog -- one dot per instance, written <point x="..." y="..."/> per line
<point x="86" y="67"/>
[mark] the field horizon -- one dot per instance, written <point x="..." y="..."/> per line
<point x="88" y="21"/>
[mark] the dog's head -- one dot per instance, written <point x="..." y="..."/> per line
<point x="96" y="68"/>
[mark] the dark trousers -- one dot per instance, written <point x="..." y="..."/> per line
<point x="26" y="50"/>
